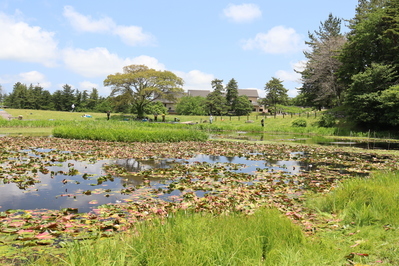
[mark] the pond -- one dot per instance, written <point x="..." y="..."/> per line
<point x="84" y="185"/>
<point x="380" y="144"/>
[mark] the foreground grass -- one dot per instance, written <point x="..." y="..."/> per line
<point x="365" y="201"/>
<point x="196" y="239"/>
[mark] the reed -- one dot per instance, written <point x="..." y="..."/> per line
<point x="365" y="201"/>
<point x="196" y="239"/>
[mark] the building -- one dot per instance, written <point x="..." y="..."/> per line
<point x="252" y="95"/>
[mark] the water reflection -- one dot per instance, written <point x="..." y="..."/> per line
<point x="83" y="185"/>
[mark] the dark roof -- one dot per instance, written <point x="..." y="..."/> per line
<point x="249" y="92"/>
<point x="202" y="93"/>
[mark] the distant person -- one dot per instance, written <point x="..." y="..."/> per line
<point x="108" y="114"/>
<point x="262" y="122"/>
<point x="210" y="119"/>
<point x="163" y="117"/>
<point x="73" y="107"/>
<point x="155" y="117"/>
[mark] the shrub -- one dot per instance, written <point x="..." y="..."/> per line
<point x="299" y="123"/>
<point x="327" y="120"/>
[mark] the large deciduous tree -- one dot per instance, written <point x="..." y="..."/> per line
<point x="275" y="93"/>
<point x="319" y="77"/>
<point x="139" y="85"/>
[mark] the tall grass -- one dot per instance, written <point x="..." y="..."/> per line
<point x="196" y="239"/>
<point x="127" y="132"/>
<point x="365" y="201"/>
<point x="265" y="238"/>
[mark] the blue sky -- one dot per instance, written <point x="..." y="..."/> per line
<point x="53" y="43"/>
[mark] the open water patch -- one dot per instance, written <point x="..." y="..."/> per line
<point x="37" y="179"/>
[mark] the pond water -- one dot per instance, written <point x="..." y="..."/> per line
<point x="308" y="139"/>
<point x="84" y="185"/>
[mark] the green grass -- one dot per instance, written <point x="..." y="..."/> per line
<point x="196" y="239"/>
<point x="365" y="201"/>
<point x="128" y="132"/>
<point x="251" y="123"/>
<point x="29" y="114"/>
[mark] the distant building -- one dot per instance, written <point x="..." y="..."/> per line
<point x="252" y="95"/>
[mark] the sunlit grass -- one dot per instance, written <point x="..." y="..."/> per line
<point x="127" y="132"/>
<point x="196" y="239"/>
<point x="28" y="114"/>
<point x="365" y="201"/>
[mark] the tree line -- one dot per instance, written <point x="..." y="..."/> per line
<point x="357" y="72"/>
<point x="35" y="97"/>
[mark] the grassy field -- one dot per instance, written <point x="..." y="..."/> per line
<point x="52" y="119"/>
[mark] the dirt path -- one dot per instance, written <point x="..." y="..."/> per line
<point x="4" y="114"/>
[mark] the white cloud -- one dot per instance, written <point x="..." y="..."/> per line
<point x="292" y="75"/>
<point x="94" y="62"/>
<point x="288" y="75"/>
<point x="99" y="62"/>
<point x="196" y="80"/>
<point x="87" y="85"/>
<point x="242" y="13"/>
<point x="149" y="61"/>
<point x="22" y="42"/>
<point x="85" y="23"/>
<point x="34" y="78"/>
<point x="131" y="35"/>
<point x="278" y="40"/>
<point x="300" y="65"/>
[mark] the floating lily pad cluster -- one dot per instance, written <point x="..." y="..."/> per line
<point x="217" y="187"/>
